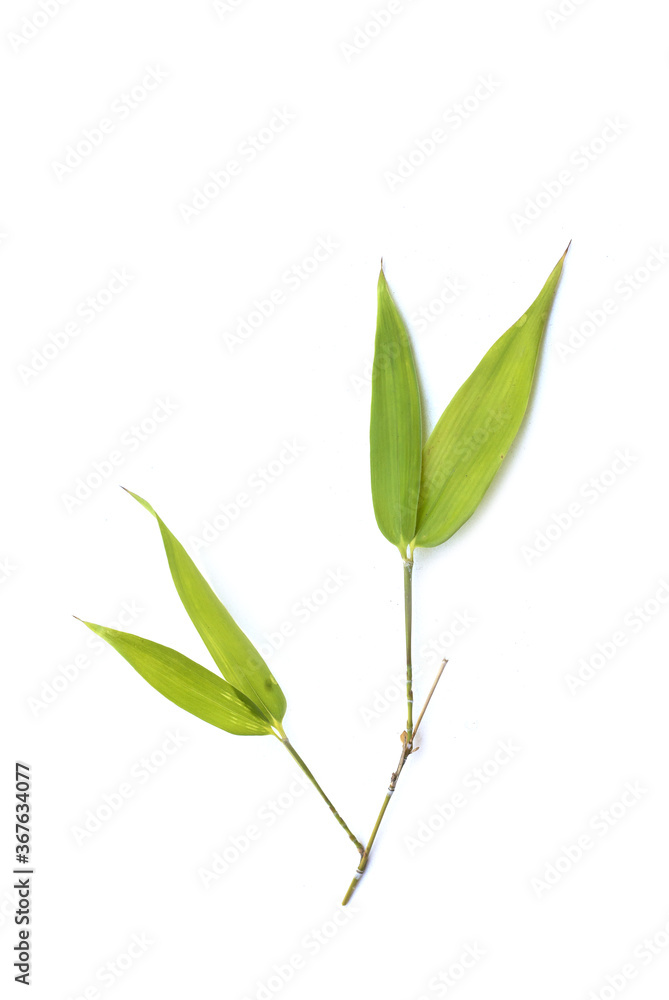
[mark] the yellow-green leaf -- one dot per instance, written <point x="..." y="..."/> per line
<point x="395" y="429"/>
<point x="476" y="429"/>
<point x="235" y="656"/>
<point x="189" y="685"/>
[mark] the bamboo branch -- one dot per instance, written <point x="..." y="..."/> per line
<point x="407" y="750"/>
<point x="296" y="757"/>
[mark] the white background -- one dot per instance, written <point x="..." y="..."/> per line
<point x="360" y="97"/>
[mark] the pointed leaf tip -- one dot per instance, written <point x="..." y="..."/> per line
<point x="475" y="431"/>
<point x="395" y="426"/>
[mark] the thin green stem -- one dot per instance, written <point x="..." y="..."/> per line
<point x="408" y="570"/>
<point x="370" y="843"/>
<point x="298" y="760"/>
<point x="406" y="751"/>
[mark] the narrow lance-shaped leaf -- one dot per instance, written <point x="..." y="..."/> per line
<point x="189" y="685"/>
<point x="235" y="656"/>
<point x="476" y="429"/>
<point x="395" y="429"/>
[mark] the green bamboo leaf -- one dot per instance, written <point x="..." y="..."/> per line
<point x="235" y="656"/>
<point x="395" y="429"/>
<point x="200" y="691"/>
<point x="476" y="429"/>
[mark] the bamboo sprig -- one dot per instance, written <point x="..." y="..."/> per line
<point x="422" y="492"/>
<point x="247" y="700"/>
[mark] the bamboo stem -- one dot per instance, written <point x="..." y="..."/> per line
<point x="408" y="572"/>
<point x="406" y="751"/>
<point x="365" y="856"/>
<point x="298" y="760"/>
